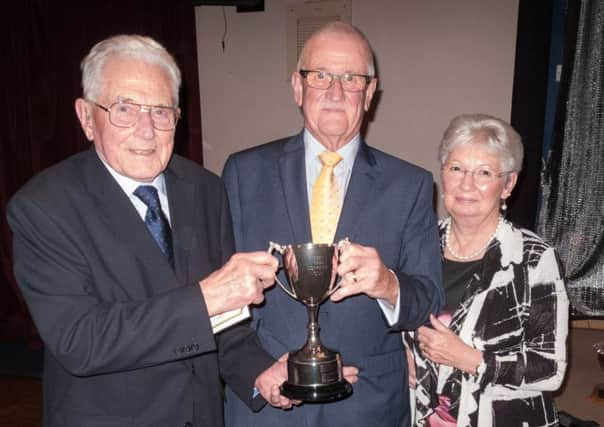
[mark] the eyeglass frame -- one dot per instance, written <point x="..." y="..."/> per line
<point x="490" y="178"/>
<point x="143" y="108"/>
<point x="334" y="76"/>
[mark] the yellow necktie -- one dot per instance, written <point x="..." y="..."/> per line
<point x="326" y="201"/>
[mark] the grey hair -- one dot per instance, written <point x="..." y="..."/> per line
<point x="126" y="46"/>
<point x="498" y="136"/>
<point x="343" y="28"/>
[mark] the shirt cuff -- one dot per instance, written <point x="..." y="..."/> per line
<point x="391" y="312"/>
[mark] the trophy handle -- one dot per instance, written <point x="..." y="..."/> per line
<point x="342" y="242"/>
<point x="272" y="247"/>
<point x="335" y="288"/>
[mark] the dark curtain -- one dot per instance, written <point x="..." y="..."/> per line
<point x="572" y="208"/>
<point x="529" y="103"/>
<point x="42" y="44"/>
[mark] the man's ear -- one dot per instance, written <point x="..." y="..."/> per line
<point x="82" y="109"/>
<point x="297" y="88"/>
<point x="369" y="91"/>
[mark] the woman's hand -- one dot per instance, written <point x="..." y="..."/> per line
<point x="442" y="346"/>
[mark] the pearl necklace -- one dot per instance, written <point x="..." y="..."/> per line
<point x="447" y="240"/>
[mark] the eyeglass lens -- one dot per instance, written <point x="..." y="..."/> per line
<point x="127" y="114"/>
<point x="324" y="80"/>
<point x="479" y="175"/>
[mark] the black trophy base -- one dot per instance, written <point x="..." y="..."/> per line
<point x="319" y="393"/>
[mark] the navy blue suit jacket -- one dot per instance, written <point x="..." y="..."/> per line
<point x="388" y="205"/>
<point x="128" y="339"/>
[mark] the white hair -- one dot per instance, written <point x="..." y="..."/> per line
<point x="126" y="46"/>
<point x="497" y="135"/>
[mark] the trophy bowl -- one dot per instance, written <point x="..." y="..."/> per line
<point x="314" y="371"/>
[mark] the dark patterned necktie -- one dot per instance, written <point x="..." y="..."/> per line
<point x="156" y="221"/>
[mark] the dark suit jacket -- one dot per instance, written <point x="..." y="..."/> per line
<point x="128" y="339"/>
<point x="388" y="205"/>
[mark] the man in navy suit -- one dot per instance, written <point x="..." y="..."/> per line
<point x="124" y="252"/>
<point x="391" y="272"/>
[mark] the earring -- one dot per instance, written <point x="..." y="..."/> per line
<point x="504" y="206"/>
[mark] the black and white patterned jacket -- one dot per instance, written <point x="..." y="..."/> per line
<point x="515" y="310"/>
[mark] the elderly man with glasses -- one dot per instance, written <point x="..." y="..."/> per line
<point x="124" y="255"/>
<point x="324" y="185"/>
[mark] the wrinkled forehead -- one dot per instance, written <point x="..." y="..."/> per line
<point x="131" y="79"/>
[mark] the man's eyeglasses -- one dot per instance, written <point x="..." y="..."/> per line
<point x="319" y="79"/>
<point x="480" y="175"/>
<point x="126" y="114"/>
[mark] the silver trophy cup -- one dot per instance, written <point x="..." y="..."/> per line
<point x="314" y="371"/>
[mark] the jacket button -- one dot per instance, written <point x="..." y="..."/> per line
<point x="187" y="424"/>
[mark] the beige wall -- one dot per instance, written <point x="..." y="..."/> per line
<point x="435" y="58"/>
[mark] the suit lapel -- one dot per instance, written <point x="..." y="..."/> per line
<point x="360" y="191"/>
<point x="121" y="217"/>
<point x="293" y="179"/>
<point x="182" y="204"/>
<point x="292" y="173"/>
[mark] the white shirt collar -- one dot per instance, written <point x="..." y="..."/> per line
<point x="128" y="185"/>
<point x="313" y="165"/>
<point x="348" y="151"/>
